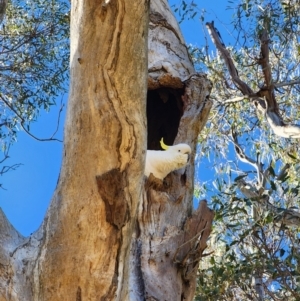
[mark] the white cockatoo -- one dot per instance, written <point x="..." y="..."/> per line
<point x="161" y="163"/>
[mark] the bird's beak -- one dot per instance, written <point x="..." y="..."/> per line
<point x="163" y="145"/>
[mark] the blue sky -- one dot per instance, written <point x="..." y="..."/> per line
<point x="28" y="190"/>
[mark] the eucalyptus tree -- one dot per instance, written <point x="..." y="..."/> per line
<point x="34" y="62"/>
<point x="254" y="131"/>
<point x="112" y="233"/>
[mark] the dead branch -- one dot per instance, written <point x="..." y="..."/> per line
<point x="264" y="59"/>
<point x="216" y="38"/>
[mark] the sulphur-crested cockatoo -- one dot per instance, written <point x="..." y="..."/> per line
<point x="161" y="163"/>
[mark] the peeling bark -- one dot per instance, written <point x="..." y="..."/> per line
<point x="170" y="246"/>
<point x="18" y="257"/>
<point x="169" y="64"/>
<point x="170" y="237"/>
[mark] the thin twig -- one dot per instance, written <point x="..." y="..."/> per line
<point x="22" y="121"/>
<point x="293" y="82"/>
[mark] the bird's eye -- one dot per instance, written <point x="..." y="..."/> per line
<point x="179" y="150"/>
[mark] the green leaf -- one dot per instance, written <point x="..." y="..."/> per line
<point x="293" y="157"/>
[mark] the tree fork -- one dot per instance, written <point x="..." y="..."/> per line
<point x="170" y="238"/>
<point x="109" y="231"/>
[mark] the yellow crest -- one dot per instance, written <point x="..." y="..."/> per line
<point x="163" y="146"/>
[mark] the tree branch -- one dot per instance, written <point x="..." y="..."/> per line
<point x="22" y="121"/>
<point x="244" y="158"/>
<point x="239" y="98"/>
<point x="293" y="82"/>
<point x="277" y="125"/>
<point x="216" y="38"/>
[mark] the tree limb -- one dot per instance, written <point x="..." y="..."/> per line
<point x="239" y="98"/>
<point x="244" y="158"/>
<point x="265" y="102"/>
<point x="271" y="110"/>
<point x="215" y="36"/>
<point x="277" y="125"/>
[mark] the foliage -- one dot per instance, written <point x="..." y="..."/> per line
<point x="34" y="59"/>
<point x="253" y="241"/>
<point x="186" y="10"/>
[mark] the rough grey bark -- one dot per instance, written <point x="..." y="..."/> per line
<point x="170" y="237"/>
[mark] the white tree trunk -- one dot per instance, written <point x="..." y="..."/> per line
<point x="110" y="233"/>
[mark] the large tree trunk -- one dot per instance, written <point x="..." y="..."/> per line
<point x="110" y="233"/>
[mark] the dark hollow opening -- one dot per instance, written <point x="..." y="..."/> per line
<point x="164" y="110"/>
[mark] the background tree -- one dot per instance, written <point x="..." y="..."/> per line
<point x="255" y="193"/>
<point x="109" y="233"/>
<point x="34" y="59"/>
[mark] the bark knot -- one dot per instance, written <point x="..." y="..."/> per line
<point x="111" y="186"/>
